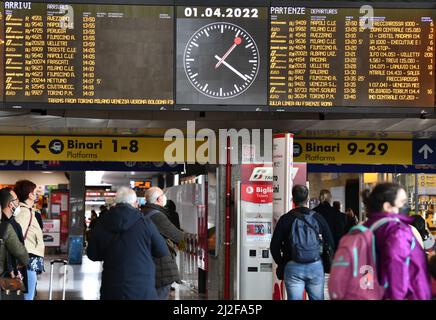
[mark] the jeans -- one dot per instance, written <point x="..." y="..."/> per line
<point x="163" y="293"/>
<point x="31" y="284"/>
<point x="299" y="277"/>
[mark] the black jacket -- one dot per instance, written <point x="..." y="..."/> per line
<point x="281" y="240"/>
<point x="127" y="242"/>
<point x="335" y="219"/>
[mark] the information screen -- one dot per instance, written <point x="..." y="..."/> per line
<point x="258" y="231"/>
<point x="2" y="54"/>
<point x="89" y="54"/>
<point x="326" y="57"/>
<point x="222" y="55"/>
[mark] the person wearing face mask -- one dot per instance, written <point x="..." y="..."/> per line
<point x="32" y="232"/>
<point x="10" y="206"/>
<point x="167" y="271"/>
<point x="402" y="265"/>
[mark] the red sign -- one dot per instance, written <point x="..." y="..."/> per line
<point x="256" y="193"/>
<point x="59" y="201"/>
<point x="93" y="194"/>
<point x="256" y="183"/>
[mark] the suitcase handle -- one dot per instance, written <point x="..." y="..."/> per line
<point x="52" y="262"/>
<point x="58" y="261"/>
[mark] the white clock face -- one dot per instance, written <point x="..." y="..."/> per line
<point x="221" y="60"/>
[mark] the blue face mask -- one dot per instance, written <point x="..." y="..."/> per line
<point x="404" y="210"/>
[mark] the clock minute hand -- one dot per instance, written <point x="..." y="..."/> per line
<point x="236" y="42"/>
<point x="231" y="68"/>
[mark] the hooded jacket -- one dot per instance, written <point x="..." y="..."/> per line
<point x="167" y="271"/>
<point x="402" y="266"/>
<point x="126" y="242"/>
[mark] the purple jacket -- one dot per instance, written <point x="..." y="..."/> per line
<point x="401" y="269"/>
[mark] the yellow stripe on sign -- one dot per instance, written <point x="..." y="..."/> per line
<point x="12" y="148"/>
<point x="353" y="151"/>
<point x="64" y="148"/>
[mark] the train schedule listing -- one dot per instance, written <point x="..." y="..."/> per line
<point x="336" y="57"/>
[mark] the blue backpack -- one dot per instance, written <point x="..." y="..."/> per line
<point x="305" y="238"/>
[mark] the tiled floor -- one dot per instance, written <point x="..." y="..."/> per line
<point x="83" y="282"/>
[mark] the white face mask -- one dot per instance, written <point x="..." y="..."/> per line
<point x="16" y="211"/>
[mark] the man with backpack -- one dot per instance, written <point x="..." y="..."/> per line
<point x="296" y="247"/>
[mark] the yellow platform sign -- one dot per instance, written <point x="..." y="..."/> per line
<point x="81" y="148"/>
<point x="12" y="148"/>
<point x="94" y="148"/>
<point x="353" y="151"/>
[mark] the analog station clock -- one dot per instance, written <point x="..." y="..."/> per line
<point x="221" y="60"/>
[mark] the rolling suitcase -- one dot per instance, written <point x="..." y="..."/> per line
<point x="52" y="262"/>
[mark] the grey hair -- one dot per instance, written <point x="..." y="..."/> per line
<point x="152" y="194"/>
<point x="126" y="195"/>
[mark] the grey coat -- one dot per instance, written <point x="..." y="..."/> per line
<point x="11" y="243"/>
<point x="167" y="271"/>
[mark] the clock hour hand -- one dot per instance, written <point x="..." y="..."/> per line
<point x="231" y="68"/>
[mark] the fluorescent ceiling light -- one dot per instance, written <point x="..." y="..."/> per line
<point x="93" y="178"/>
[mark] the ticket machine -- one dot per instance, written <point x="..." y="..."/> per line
<point x="254" y="261"/>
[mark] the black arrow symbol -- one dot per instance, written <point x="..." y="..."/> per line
<point x="35" y="146"/>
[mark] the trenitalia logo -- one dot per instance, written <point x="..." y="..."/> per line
<point x="262" y="174"/>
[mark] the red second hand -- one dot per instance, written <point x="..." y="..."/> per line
<point x="236" y="42"/>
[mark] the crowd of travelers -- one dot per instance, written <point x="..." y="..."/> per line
<point x="390" y="255"/>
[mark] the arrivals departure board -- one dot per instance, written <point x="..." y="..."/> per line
<point x="222" y="55"/>
<point x="324" y="57"/>
<point x="2" y="48"/>
<point x="88" y="54"/>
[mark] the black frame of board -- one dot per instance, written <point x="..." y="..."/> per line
<point x="226" y="107"/>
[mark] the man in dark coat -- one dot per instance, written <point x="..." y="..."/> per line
<point x="9" y="206"/>
<point x="335" y="219"/>
<point x="172" y="213"/>
<point x="126" y="242"/>
<point x="167" y="271"/>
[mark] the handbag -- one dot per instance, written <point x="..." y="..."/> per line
<point x="12" y="288"/>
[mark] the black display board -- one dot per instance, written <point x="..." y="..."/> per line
<point x="296" y="56"/>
